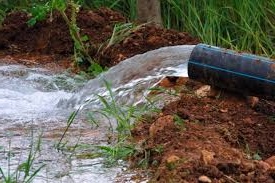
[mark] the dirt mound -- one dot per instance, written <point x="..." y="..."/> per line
<point x="146" y="38"/>
<point x="52" y="37"/>
<point x="198" y="139"/>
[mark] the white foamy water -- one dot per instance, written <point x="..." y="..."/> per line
<point x="27" y="94"/>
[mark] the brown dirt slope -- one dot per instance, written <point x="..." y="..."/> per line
<point x="203" y="139"/>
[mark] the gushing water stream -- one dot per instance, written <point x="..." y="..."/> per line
<point x="37" y="102"/>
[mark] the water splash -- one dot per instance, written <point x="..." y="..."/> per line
<point x="28" y="93"/>
<point x="132" y="77"/>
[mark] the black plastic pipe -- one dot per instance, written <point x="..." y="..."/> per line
<point x="240" y="72"/>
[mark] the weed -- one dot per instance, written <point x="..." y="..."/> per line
<point x="171" y="166"/>
<point x="256" y="156"/>
<point x="252" y="155"/>
<point x="123" y="115"/>
<point x="122" y="31"/>
<point x="170" y="92"/>
<point x="40" y="12"/>
<point x="179" y="122"/>
<point x="158" y="149"/>
<point x="81" y="52"/>
<point x="144" y="162"/>
<point x="95" y="69"/>
<point x="119" y="151"/>
<point x="26" y="167"/>
<point x="70" y="120"/>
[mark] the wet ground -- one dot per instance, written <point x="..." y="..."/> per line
<point x="196" y="138"/>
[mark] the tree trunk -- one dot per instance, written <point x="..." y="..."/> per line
<point x="148" y="11"/>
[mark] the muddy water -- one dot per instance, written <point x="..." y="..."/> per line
<point x="35" y="102"/>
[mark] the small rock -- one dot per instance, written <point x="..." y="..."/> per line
<point x="264" y="166"/>
<point x="203" y="91"/>
<point x="248" y="166"/>
<point x="165" y="82"/>
<point x="252" y="101"/>
<point x="172" y="159"/>
<point x="224" y="110"/>
<point x="270" y="161"/>
<point x="160" y="124"/>
<point x="214" y="92"/>
<point x="207" y="157"/>
<point x="204" y="178"/>
<point x="248" y="120"/>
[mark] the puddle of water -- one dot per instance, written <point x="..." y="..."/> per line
<point x="35" y="101"/>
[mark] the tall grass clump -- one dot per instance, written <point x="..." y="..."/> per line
<point x="123" y="117"/>
<point x="26" y="170"/>
<point x="120" y="118"/>
<point x="238" y="24"/>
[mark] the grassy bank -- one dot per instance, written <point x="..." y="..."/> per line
<point x="238" y="24"/>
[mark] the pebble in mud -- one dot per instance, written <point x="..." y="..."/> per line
<point x="263" y="166"/>
<point x="204" y="179"/>
<point x="160" y="124"/>
<point x="271" y="161"/>
<point x="172" y="159"/>
<point x="207" y="157"/>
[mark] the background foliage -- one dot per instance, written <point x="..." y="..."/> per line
<point x="239" y="24"/>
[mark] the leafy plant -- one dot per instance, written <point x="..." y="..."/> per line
<point x="39" y="12"/>
<point x="119" y="151"/>
<point x="65" y="7"/>
<point x="95" y="69"/>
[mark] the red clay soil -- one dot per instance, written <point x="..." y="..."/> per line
<point x="52" y="37"/>
<point x="203" y="139"/>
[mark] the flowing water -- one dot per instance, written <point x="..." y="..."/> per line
<point x="35" y="102"/>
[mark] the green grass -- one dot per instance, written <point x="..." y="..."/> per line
<point x="25" y="172"/>
<point x="123" y="115"/>
<point x="238" y="24"/>
<point x="121" y="121"/>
